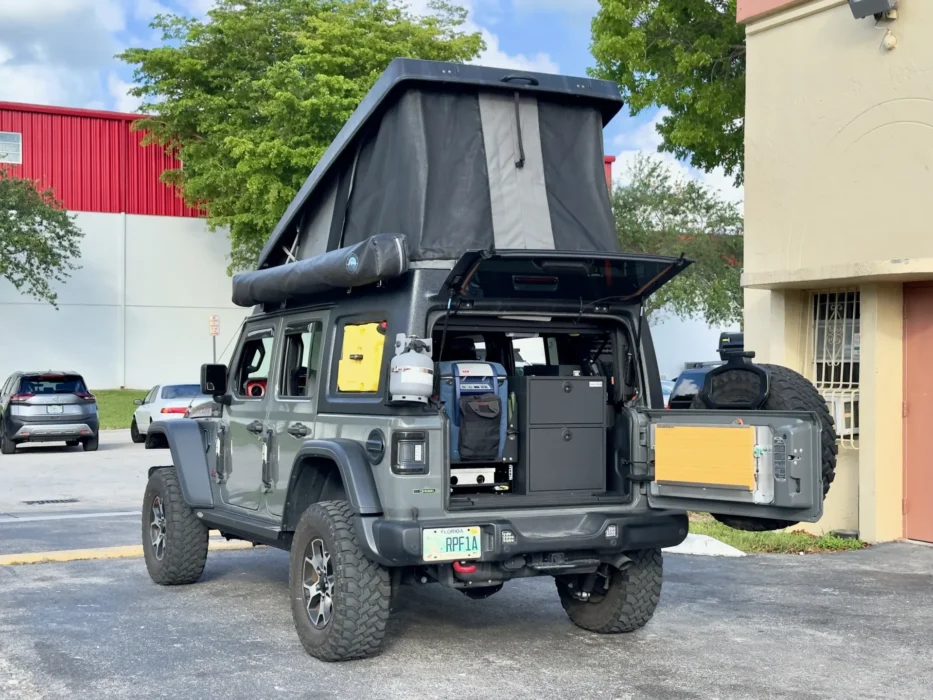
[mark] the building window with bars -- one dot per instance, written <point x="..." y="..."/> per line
<point x="11" y="147"/>
<point x="835" y="340"/>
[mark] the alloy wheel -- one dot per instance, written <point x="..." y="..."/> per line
<point x="318" y="582"/>
<point x="157" y="528"/>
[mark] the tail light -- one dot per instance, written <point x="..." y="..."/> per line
<point x="85" y="395"/>
<point x="175" y="409"/>
<point x="21" y="398"/>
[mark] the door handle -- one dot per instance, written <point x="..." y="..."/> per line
<point x="298" y="430"/>
<point x="255" y="427"/>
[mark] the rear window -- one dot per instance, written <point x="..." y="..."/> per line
<point x="52" y="384"/>
<point x="181" y="391"/>
<point x="688" y="385"/>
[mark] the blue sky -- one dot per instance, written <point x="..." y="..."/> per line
<point x="61" y="52"/>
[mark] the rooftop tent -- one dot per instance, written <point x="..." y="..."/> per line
<point x="459" y="157"/>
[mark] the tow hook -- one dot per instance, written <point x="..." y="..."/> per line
<point x="464" y="568"/>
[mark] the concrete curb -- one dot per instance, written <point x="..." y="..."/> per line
<point x="704" y="545"/>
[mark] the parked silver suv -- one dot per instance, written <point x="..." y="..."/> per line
<point x="47" y="406"/>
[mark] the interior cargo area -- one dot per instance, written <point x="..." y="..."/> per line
<point x="536" y="410"/>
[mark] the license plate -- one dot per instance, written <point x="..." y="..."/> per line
<point x="451" y="543"/>
<point x="55" y="409"/>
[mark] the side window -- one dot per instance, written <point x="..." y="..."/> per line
<point x="251" y="375"/>
<point x="361" y="353"/>
<point x="150" y="397"/>
<point x="298" y="359"/>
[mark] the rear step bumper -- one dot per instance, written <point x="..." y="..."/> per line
<point x="398" y="542"/>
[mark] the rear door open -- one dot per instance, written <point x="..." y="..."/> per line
<point x="554" y="277"/>
<point x="765" y="464"/>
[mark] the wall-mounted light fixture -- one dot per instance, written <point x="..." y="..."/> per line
<point x="872" y="8"/>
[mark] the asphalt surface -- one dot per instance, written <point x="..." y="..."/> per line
<point x="827" y="627"/>
<point x="112" y="478"/>
<point x="852" y="625"/>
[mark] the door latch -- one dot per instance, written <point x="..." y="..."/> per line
<point x="299" y="430"/>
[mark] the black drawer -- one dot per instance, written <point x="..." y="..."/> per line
<point x="566" y="458"/>
<point x="565" y="400"/>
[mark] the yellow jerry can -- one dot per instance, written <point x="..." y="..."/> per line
<point x="361" y="358"/>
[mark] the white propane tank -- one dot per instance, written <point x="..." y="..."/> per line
<point x="412" y="373"/>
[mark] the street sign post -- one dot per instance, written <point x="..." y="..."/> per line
<point x="213" y="325"/>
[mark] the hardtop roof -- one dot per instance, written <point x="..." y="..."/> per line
<point x="408" y="72"/>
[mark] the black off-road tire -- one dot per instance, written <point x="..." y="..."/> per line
<point x="629" y="603"/>
<point x="362" y="589"/>
<point x="135" y="435"/>
<point x="185" y="550"/>
<point x="90" y="444"/>
<point x="790" y="391"/>
<point x="7" y="446"/>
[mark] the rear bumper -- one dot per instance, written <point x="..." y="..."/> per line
<point x="398" y="542"/>
<point x="42" y="429"/>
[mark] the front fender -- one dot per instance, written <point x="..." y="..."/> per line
<point x="354" y="467"/>
<point x="185" y="440"/>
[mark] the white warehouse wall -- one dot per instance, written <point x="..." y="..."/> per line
<point x="136" y="313"/>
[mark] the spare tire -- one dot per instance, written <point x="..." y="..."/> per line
<point x="789" y="391"/>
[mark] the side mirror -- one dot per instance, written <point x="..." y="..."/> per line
<point x="214" y="380"/>
<point x="138" y="402"/>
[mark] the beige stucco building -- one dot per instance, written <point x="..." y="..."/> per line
<point x="839" y="239"/>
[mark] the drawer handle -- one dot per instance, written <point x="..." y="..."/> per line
<point x="568" y="435"/>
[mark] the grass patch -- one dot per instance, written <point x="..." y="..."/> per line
<point x="115" y="407"/>
<point x="770" y="542"/>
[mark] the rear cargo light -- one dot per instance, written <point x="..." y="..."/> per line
<point x="21" y="398"/>
<point x="175" y="409"/>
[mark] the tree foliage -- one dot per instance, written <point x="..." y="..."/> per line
<point x="39" y="240"/>
<point x="251" y="97"/>
<point x="661" y="214"/>
<point x="687" y="56"/>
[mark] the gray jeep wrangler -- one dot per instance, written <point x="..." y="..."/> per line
<point x="475" y="399"/>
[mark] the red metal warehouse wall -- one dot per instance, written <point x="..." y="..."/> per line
<point x="92" y="160"/>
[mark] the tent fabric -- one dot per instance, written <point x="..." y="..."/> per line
<point x="518" y="195"/>
<point x="422" y="172"/>
<point x="376" y="259"/>
<point x="458" y="167"/>
<point x="577" y="196"/>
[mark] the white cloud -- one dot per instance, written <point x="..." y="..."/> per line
<point x="497" y="58"/>
<point x="198" y="8"/>
<point x="53" y="51"/>
<point x="146" y="10"/>
<point x="119" y="91"/>
<point x="493" y="55"/>
<point x="645" y="140"/>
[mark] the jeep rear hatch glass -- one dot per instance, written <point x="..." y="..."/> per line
<point x="561" y="275"/>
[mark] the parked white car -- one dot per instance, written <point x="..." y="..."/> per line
<point x="164" y="402"/>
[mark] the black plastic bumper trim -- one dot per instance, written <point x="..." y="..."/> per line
<point x="398" y="542"/>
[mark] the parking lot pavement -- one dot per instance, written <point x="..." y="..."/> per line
<point x="112" y="478"/>
<point x="851" y="625"/>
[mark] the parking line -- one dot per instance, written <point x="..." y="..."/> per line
<point x="125" y="552"/>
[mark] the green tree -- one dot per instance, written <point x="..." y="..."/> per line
<point x="659" y="213"/>
<point x="251" y="97"/>
<point x="687" y="56"/>
<point x="38" y="239"/>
